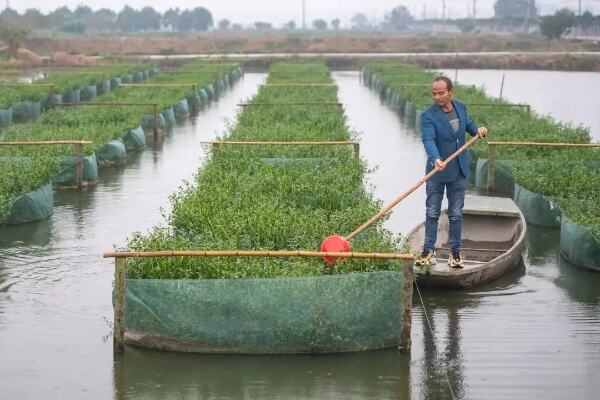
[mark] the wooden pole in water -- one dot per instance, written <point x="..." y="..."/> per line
<point x="119" y="309"/>
<point x="79" y="165"/>
<point x="491" y="168"/>
<point x="406" y="312"/>
<point x="502" y="86"/>
<point x="155" y="123"/>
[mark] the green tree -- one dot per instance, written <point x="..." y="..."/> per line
<point x="170" y="18"/>
<point x="263" y="26"/>
<point x="360" y="21"/>
<point x="34" y="19"/>
<point x="149" y="19"/>
<point x="224" y="24"/>
<point x="290" y="25"/>
<point x="398" y="18"/>
<point x="198" y="19"/>
<point x="554" y="26"/>
<point x="335" y="24"/>
<point x="59" y="17"/>
<point x="319" y="24"/>
<point x="74" y="26"/>
<point x="515" y="9"/>
<point x="13" y="37"/>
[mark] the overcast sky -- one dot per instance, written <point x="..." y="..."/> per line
<point x="278" y="11"/>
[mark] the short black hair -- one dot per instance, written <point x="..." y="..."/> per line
<point x="445" y="79"/>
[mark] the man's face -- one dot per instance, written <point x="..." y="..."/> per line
<point x="441" y="94"/>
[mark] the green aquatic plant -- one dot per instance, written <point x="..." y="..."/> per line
<point x="272" y="197"/>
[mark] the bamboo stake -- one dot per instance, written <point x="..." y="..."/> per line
<point x="421" y="181"/>
<point x="157" y="85"/>
<point x="256" y="253"/>
<point x="79" y="165"/>
<point x="544" y="144"/>
<point x="406" y="312"/>
<point x="292" y="143"/>
<point x="119" y="309"/>
<point x="491" y="167"/>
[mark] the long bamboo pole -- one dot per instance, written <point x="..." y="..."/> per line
<point x="291" y="143"/>
<point x="50" y="142"/>
<point x="355" y="145"/>
<point x="255" y="253"/>
<point x="284" y="85"/>
<point x="543" y="144"/>
<point x="48" y="85"/>
<point x="421" y="181"/>
<point x="158" y="85"/>
<point x="324" y="103"/>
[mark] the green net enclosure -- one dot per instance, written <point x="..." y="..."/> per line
<point x="580" y="244"/>
<point x="309" y="314"/>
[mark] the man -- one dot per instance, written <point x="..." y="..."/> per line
<point x="443" y="128"/>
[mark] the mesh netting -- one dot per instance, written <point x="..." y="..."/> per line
<point x="580" y="244"/>
<point x="32" y="206"/>
<point x="337" y="313"/>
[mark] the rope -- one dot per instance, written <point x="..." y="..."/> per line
<point x="433" y="336"/>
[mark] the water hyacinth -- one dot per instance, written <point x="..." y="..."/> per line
<point x="272" y="197"/>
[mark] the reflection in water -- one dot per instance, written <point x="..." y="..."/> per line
<point x="145" y="374"/>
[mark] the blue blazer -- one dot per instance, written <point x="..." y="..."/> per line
<point x="440" y="141"/>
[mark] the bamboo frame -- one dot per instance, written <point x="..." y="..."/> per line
<point x="324" y="103"/>
<point x="78" y="144"/>
<point x="354" y="144"/>
<point x="491" y="167"/>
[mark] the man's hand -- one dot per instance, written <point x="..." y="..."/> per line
<point x="482" y="132"/>
<point x="440" y="165"/>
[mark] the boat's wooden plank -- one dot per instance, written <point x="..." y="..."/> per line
<point x="484" y="205"/>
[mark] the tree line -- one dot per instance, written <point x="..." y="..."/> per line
<point x="83" y="19"/>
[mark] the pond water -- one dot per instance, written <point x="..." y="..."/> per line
<point x="567" y="97"/>
<point x="534" y="333"/>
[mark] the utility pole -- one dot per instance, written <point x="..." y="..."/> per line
<point x="443" y="9"/>
<point x="8" y="4"/>
<point x="474" y="9"/>
<point x="579" y="19"/>
<point x="303" y="15"/>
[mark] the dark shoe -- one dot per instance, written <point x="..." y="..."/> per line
<point x="455" y="260"/>
<point x="426" y="259"/>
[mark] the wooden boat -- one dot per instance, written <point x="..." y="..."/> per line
<point x="492" y="242"/>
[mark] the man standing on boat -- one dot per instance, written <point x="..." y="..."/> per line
<point x="443" y="128"/>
